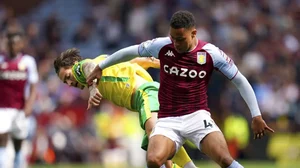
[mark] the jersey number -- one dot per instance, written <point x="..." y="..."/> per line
<point x="207" y="124"/>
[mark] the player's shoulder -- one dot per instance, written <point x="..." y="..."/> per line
<point x="28" y="57"/>
<point x="166" y="40"/>
<point x="99" y="58"/>
<point x="218" y="56"/>
<point x="102" y="56"/>
<point x="86" y="60"/>
<point x="214" y="51"/>
<point x="28" y="60"/>
<point x="153" y="47"/>
<point x="158" y="42"/>
<point x="210" y="48"/>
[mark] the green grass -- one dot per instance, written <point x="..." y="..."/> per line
<point x="246" y="164"/>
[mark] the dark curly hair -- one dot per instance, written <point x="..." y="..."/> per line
<point x="67" y="59"/>
<point x="182" y="19"/>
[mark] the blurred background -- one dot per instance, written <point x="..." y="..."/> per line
<point x="261" y="36"/>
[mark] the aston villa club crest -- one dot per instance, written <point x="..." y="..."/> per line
<point x="201" y="58"/>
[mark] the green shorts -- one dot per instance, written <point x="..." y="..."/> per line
<point x="145" y="102"/>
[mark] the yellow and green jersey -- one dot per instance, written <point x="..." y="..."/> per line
<point x="117" y="83"/>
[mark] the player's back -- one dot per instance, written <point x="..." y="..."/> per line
<point x="118" y="82"/>
<point x="13" y="78"/>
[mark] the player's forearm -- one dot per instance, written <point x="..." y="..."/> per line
<point x="122" y="55"/>
<point x="156" y="63"/>
<point x="147" y="62"/>
<point x="30" y="100"/>
<point x="247" y="93"/>
<point x="92" y="87"/>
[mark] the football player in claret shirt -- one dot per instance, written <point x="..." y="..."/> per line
<point x="186" y="65"/>
<point x="18" y="79"/>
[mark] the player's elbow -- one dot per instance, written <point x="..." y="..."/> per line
<point x="239" y="79"/>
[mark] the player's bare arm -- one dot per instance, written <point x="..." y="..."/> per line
<point x="30" y="100"/>
<point x="95" y="95"/>
<point x="147" y="62"/>
<point x="32" y="81"/>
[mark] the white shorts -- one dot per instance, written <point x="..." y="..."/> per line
<point x="13" y="121"/>
<point x="193" y="127"/>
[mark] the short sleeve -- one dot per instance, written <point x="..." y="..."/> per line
<point x="30" y="63"/>
<point x="221" y="61"/>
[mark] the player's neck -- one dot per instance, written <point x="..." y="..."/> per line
<point x="195" y="43"/>
<point x="13" y="55"/>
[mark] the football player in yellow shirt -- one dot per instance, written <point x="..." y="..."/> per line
<point x="126" y="84"/>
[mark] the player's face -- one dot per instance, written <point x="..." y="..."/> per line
<point x="183" y="39"/>
<point x="66" y="75"/>
<point x="17" y="44"/>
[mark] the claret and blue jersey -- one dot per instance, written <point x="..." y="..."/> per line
<point x="186" y="74"/>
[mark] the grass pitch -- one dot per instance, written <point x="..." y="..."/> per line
<point x="204" y="164"/>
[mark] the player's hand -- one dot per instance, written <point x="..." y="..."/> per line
<point x="95" y="74"/>
<point x="95" y="98"/>
<point x="260" y="127"/>
<point x="27" y="111"/>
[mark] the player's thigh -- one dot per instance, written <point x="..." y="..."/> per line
<point x="203" y="132"/>
<point x="6" y="123"/>
<point x="7" y="117"/>
<point x="198" y="125"/>
<point x="160" y="148"/>
<point x="215" y="146"/>
<point x="165" y="139"/>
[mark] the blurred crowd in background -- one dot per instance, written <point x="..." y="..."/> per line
<point x="261" y="36"/>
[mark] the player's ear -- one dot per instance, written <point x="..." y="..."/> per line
<point x="194" y="32"/>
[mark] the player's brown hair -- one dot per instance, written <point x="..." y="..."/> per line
<point x="182" y="19"/>
<point x="67" y="59"/>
